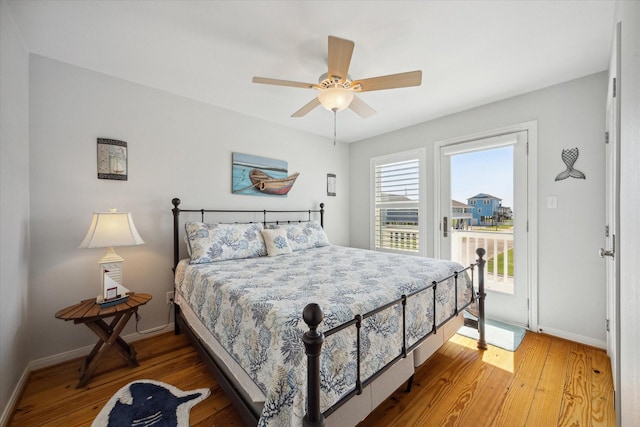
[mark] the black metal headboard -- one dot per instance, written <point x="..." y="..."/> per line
<point x="265" y="220"/>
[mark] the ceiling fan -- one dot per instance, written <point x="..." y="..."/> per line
<point x="337" y="90"/>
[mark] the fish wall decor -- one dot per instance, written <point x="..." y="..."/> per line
<point x="569" y="157"/>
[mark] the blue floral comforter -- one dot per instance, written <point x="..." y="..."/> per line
<point x="254" y="309"/>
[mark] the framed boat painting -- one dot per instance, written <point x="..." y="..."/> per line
<point x="112" y="159"/>
<point x="260" y="176"/>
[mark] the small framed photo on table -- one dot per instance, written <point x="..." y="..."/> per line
<point x="111" y="293"/>
<point x="331" y="184"/>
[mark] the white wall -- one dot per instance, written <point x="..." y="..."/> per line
<point x="629" y="394"/>
<point x="571" y="276"/>
<point x="177" y="147"/>
<point x="14" y="208"/>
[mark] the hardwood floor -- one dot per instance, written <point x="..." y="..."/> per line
<point x="547" y="382"/>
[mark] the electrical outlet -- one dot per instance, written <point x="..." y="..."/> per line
<point x="170" y="297"/>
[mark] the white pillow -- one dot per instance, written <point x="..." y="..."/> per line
<point x="276" y="241"/>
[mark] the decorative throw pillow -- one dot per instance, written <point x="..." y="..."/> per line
<point x="276" y="241"/>
<point x="186" y="241"/>
<point x="304" y="235"/>
<point x="219" y="242"/>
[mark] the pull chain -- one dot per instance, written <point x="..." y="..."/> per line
<point x="334" y="126"/>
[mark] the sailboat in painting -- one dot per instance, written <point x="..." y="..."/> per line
<point x="118" y="168"/>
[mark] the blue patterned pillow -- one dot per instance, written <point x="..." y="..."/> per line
<point x="276" y="241"/>
<point x="219" y="242"/>
<point x="304" y="235"/>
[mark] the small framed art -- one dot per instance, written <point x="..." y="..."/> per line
<point x="110" y="294"/>
<point x="112" y="159"/>
<point x="331" y="184"/>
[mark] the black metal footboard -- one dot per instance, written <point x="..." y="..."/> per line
<point x="313" y="339"/>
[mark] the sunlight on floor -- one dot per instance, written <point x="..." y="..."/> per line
<point x="495" y="356"/>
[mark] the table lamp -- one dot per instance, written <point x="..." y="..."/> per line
<point x="108" y="230"/>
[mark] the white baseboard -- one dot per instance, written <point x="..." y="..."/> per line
<point x="81" y="352"/>
<point x="13" y="400"/>
<point x="64" y="357"/>
<point x="573" y="337"/>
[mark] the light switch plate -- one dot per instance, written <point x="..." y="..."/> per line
<point x="552" y="202"/>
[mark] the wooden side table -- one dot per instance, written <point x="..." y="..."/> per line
<point x="89" y="313"/>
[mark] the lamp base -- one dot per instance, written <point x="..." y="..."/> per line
<point x="110" y="267"/>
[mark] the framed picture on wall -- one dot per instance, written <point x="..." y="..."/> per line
<point x="260" y="176"/>
<point x="112" y="159"/>
<point x="331" y="184"/>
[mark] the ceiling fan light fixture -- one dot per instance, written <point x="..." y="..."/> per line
<point x="336" y="90"/>
<point x="335" y="98"/>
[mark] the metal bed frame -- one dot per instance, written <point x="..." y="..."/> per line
<point x="313" y="315"/>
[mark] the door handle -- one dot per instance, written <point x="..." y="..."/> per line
<point x="445" y="226"/>
<point x="603" y="253"/>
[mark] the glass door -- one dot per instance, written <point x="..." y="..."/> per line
<point x="483" y="203"/>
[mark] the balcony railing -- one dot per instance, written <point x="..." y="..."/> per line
<point x="404" y="238"/>
<point x="497" y="244"/>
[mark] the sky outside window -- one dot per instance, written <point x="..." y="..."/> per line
<point x="487" y="171"/>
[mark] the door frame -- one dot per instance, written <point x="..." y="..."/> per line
<point x="612" y="212"/>
<point x="531" y="128"/>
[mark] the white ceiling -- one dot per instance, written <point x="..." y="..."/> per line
<point x="470" y="52"/>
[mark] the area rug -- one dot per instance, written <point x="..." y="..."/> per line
<point x="497" y="333"/>
<point x="145" y="403"/>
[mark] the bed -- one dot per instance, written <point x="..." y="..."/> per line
<point x="298" y="330"/>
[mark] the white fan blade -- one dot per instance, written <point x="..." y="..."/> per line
<point x="361" y="108"/>
<point x="392" y="81"/>
<point x="340" y="51"/>
<point x="304" y="110"/>
<point x="268" y="81"/>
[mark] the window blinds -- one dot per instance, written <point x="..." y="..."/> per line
<point x="397" y="199"/>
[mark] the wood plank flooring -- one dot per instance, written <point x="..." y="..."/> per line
<point x="547" y="382"/>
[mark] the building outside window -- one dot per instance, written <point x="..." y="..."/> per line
<point x="396" y="212"/>
<point x="493" y="214"/>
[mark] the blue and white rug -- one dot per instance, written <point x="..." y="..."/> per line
<point x="146" y="403"/>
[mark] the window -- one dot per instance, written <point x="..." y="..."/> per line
<point x="396" y="211"/>
<point x="472" y="202"/>
<point x="486" y="202"/>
